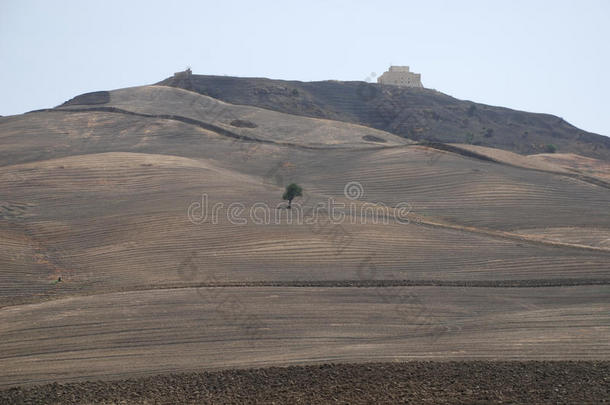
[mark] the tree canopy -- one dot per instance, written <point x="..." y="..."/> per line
<point x="292" y="190"/>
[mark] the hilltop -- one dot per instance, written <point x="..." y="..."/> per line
<point x="416" y="113"/>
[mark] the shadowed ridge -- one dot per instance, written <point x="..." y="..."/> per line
<point x="419" y="114"/>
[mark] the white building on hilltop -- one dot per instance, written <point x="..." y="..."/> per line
<point x="400" y="76"/>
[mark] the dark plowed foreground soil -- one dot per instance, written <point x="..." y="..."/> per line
<point x="410" y="383"/>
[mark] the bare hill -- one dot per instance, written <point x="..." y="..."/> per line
<point x="417" y="114"/>
<point x="474" y="255"/>
<point x="245" y="122"/>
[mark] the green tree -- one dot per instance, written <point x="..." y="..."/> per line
<point x="292" y="190"/>
<point x="550" y="148"/>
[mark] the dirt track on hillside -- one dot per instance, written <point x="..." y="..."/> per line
<point x="409" y="383"/>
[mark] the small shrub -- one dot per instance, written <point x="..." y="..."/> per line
<point x="243" y="124"/>
<point x="373" y="138"/>
<point x="550" y="148"/>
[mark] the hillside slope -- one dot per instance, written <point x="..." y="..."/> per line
<point x="417" y="114"/>
<point x="494" y="257"/>
<point x="249" y="123"/>
<point x="79" y="183"/>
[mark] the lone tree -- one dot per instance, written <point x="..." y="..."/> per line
<point x="292" y="190"/>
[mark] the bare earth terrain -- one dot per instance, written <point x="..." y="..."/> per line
<point x="480" y="256"/>
<point x="406" y="383"/>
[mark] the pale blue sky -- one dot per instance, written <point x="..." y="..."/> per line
<point x="541" y="56"/>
